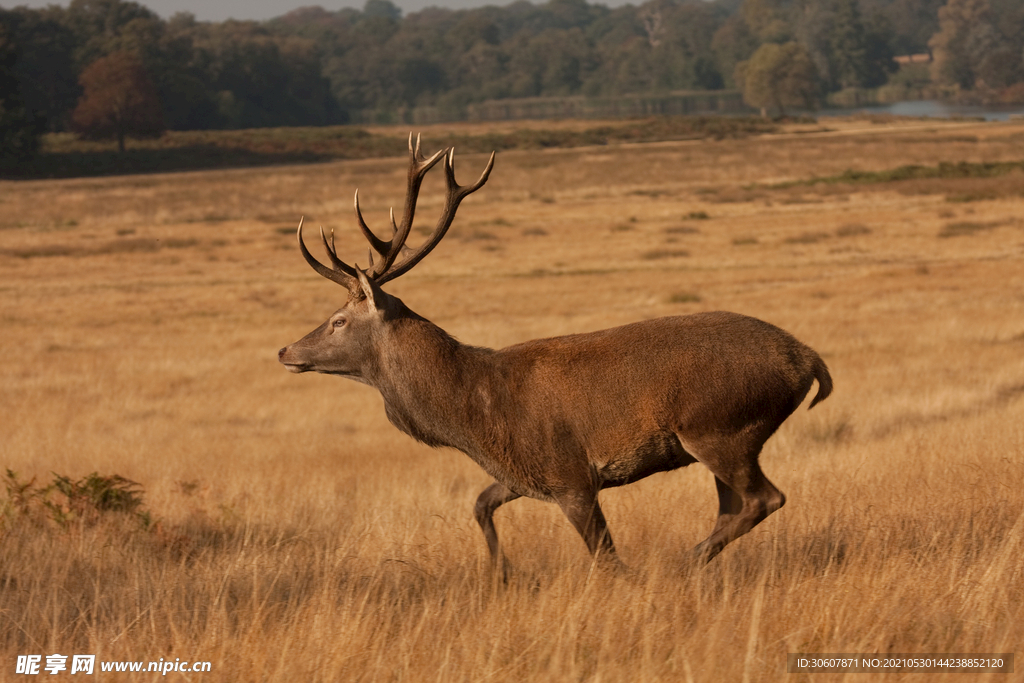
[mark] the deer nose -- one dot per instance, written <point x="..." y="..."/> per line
<point x="280" y="354"/>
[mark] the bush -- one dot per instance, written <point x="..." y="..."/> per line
<point x="66" y="500"/>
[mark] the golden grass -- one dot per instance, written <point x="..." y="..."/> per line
<point x="299" y="536"/>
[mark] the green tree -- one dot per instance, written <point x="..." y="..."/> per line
<point x="183" y="80"/>
<point x="879" y="36"/>
<point x="248" y="76"/>
<point x="733" y="42"/>
<point x="995" y="44"/>
<point x="45" y="66"/>
<point x="814" y="27"/>
<point x="913" y="23"/>
<point x="19" y="129"/>
<point x="119" y="100"/>
<point x="965" y="37"/>
<point x="779" y="76"/>
<point x="105" y="26"/>
<point x="849" y="46"/>
<point x="767" y="20"/>
<point x="860" y="52"/>
<point x="382" y="8"/>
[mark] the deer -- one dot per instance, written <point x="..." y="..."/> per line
<point x="563" y="418"/>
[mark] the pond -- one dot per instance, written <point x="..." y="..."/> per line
<point x="935" y="109"/>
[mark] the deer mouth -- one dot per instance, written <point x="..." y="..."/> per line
<point x="282" y="356"/>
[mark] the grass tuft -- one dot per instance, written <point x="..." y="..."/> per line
<point x="962" y="228"/>
<point x="853" y="230"/>
<point x="807" y="238"/>
<point x="658" y="254"/>
<point x="959" y="170"/>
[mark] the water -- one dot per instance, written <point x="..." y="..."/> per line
<point x="934" y="109"/>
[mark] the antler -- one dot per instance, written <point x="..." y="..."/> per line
<point x="454" y="194"/>
<point x="389" y="267"/>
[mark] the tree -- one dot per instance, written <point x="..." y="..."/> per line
<point x="859" y="52"/>
<point x="19" y="130"/>
<point x="766" y="19"/>
<point x="45" y="66"/>
<point x="382" y="8"/>
<point x="979" y="44"/>
<point x="966" y="36"/>
<point x="913" y="23"/>
<point x="262" y="80"/>
<point x="733" y="43"/>
<point x="105" y="26"/>
<point x="879" y="35"/>
<point x="849" y="46"/>
<point x="120" y="100"/>
<point x="779" y="76"/>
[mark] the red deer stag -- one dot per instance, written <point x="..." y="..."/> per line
<point x="560" y="419"/>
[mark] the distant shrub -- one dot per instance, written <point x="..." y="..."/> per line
<point x="962" y="169"/>
<point x="807" y="238"/>
<point x="965" y="228"/>
<point x="66" y="500"/>
<point x="656" y="254"/>
<point x="852" y="230"/>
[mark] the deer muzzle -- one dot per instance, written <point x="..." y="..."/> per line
<point x="286" y="357"/>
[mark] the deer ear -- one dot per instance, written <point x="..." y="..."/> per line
<point x="375" y="296"/>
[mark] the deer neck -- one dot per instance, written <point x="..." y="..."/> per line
<point x="435" y="389"/>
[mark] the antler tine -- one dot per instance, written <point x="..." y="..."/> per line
<point x="378" y="244"/>
<point x="332" y="253"/>
<point x="454" y="195"/>
<point x="463" y="190"/>
<point x="343" y="274"/>
<point x="418" y="168"/>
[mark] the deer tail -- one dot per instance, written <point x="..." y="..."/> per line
<point x="824" y="382"/>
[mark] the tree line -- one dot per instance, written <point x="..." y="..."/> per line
<point x="103" y="66"/>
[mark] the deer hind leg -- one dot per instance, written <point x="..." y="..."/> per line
<point x="493" y="497"/>
<point x="745" y="499"/>
<point x="586" y="516"/>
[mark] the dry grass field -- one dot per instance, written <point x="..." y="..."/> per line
<point x="295" y="535"/>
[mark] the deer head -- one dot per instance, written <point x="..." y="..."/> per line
<point x="349" y="342"/>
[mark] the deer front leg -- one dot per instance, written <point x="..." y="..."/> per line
<point x="584" y="512"/>
<point x="493" y="497"/>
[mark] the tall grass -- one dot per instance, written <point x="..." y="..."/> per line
<point x="282" y="530"/>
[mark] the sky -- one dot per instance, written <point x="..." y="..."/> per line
<point x="219" y="10"/>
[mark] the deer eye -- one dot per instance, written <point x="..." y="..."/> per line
<point x="340" y="322"/>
